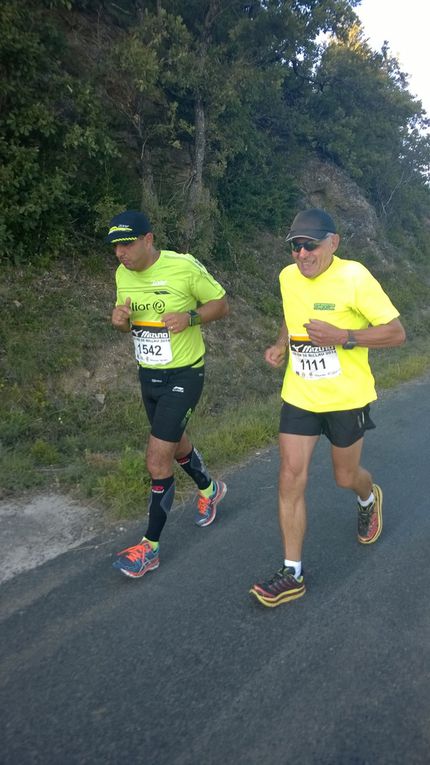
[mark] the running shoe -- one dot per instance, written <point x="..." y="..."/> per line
<point x="136" y="561"/>
<point x="370" y="519"/>
<point x="281" y="588"/>
<point x="206" y="506"/>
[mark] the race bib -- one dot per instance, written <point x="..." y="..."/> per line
<point x="313" y="362"/>
<point x="151" y="343"/>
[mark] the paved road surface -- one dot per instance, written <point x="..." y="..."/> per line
<point x="182" y="668"/>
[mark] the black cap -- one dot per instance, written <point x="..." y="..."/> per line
<point x="128" y="226"/>
<point x="312" y="224"/>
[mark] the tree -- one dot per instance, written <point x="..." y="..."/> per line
<point x="52" y="141"/>
<point x="365" y="120"/>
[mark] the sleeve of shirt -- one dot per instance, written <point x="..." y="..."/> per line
<point x="203" y="285"/>
<point x="371" y="300"/>
<point x="120" y="299"/>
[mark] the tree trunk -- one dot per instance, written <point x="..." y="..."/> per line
<point x="196" y="181"/>
<point x="149" y="201"/>
<point x="198" y="161"/>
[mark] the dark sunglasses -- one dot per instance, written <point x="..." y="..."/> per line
<point x="308" y="246"/>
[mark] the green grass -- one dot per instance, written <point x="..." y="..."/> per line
<point x="393" y="366"/>
<point x="99" y="452"/>
<point x="224" y="441"/>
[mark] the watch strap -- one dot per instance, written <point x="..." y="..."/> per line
<point x="194" y="318"/>
<point x="351" y="342"/>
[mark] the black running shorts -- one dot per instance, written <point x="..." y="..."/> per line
<point x="170" y="397"/>
<point x="342" y="428"/>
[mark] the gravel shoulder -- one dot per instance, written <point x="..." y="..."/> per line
<point x="35" y="529"/>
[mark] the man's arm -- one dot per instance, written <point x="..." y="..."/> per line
<point x="213" y="310"/>
<point x="383" y="336"/>
<point x="210" y="311"/>
<point x="275" y="355"/>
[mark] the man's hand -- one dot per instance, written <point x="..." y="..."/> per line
<point x="275" y="355"/>
<point x="176" y="322"/>
<point x="121" y="316"/>
<point x="380" y="336"/>
<point x="323" y="333"/>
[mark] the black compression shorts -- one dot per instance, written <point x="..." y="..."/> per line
<point x="170" y="397"/>
<point x="342" y="428"/>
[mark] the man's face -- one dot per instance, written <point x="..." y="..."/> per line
<point x="315" y="262"/>
<point x="136" y="255"/>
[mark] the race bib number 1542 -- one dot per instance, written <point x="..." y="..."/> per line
<point x="151" y="343"/>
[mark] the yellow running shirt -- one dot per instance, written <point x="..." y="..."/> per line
<point x="174" y="283"/>
<point x="347" y="295"/>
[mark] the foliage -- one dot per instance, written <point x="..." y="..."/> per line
<point x="363" y="118"/>
<point x="53" y="146"/>
<point x="199" y="112"/>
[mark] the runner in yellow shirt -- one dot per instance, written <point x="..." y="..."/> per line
<point x="334" y="311"/>
<point x="163" y="298"/>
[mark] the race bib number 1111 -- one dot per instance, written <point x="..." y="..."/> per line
<point x="313" y="362"/>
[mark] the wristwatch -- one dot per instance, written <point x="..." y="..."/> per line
<point x="194" y="319"/>
<point x="351" y="342"/>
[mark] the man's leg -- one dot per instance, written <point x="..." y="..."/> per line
<point x="183" y="447"/>
<point x="159" y="462"/>
<point x="211" y="492"/>
<point x="159" y="457"/>
<point x="349" y="474"/>
<point x="295" y="455"/>
<point x="288" y="583"/>
<point x="192" y="463"/>
<point x="137" y="560"/>
<point x="347" y="470"/>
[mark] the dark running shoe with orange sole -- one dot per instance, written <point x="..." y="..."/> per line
<point x="281" y="588"/>
<point x="370" y="519"/>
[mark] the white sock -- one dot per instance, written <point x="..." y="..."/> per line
<point x="367" y="502"/>
<point x="296" y="565"/>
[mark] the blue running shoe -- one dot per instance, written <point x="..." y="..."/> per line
<point x="136" y="561"/>
<point x="206" y="506"/>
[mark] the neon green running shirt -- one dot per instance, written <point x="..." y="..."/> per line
<point x="174" y="283"/>
<point x="347" y="295"/>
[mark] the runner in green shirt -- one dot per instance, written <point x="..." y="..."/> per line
<point x="163" y="298"/>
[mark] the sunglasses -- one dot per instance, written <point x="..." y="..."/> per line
<point x="309" y="246"/>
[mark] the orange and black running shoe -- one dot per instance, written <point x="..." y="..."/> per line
<point x="281" y="588"/>
<point x="370" y="519"/>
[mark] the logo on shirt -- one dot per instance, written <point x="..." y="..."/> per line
<point x="160" y="283"/>
<point x="324" y="306"/>
<point x="158" y="306"/>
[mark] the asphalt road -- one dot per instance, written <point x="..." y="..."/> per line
<point x="182" y="667"/>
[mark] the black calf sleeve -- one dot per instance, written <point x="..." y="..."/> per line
<point x="160" y="503"/>
<point x="195" y="467"/>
